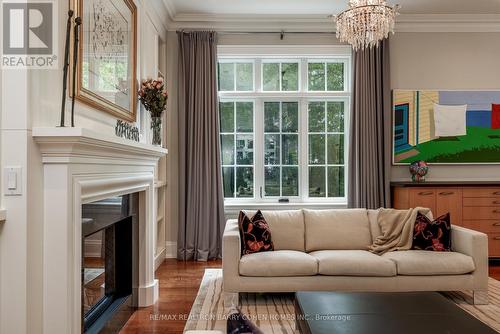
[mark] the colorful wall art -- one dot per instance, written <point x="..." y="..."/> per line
<point x="446" y="127"/>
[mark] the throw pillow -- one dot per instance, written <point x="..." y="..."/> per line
<point x="432" y="235"/>
<point x="255" y="234"/>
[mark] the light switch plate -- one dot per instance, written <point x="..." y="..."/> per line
<point x="12" y="181"/>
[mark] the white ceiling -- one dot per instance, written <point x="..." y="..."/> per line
<point x="326" y="7"/>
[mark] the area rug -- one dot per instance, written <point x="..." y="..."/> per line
<point x="274" y="313"/>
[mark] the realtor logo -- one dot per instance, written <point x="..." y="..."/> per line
<point x="29" y="34"/>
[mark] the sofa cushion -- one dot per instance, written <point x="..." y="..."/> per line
<point x="337" y="229"/>
<point x="278" y="263"/>
<point x="287" y="228"/>
<point x="421" y="263"/>
<point x="353" y="263"/>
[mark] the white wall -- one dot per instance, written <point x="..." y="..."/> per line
<point x="30" y="99"/>
<point x="446" y="61"/>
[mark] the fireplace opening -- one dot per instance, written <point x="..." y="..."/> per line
<point x="109" y="263"/>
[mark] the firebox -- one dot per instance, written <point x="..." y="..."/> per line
<point x="109" y="263"/>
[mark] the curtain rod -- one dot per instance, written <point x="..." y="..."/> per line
<point x="281" y="32"/>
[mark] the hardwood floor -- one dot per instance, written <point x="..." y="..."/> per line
<point x="179" y="283"/>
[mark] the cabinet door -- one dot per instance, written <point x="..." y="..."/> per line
<point x="423" y="197"/>
<point x="449" y="200"/>
<point x="400" y="198"/>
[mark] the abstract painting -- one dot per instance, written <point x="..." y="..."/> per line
<point x="446" y="127"/>
<point x="107" y="57"/>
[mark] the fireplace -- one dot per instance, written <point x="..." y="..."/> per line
<point x="109" y="263"/>
<point x="81" y="168"/>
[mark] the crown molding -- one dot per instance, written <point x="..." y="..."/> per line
<point x="448" y="23"/>
<point x="169" y="7"/>
<point x="404" y="22"/>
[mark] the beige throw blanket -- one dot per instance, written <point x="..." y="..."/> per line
<point x="397" y="229"/>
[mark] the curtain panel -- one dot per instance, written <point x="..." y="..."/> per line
<point x="201" y="202"/>
<point x="370" y="129"/>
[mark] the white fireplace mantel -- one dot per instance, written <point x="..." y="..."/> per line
<point x="81" y="166"/>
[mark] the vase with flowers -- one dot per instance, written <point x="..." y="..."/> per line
<point x="153" y="97"/>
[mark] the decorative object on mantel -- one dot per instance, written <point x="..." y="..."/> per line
<point x="446" y="126"/>
<point x="153" y="97"/>
<point x="76" y="44"/>
<point x="126" y="130"/>
<point x="418" y="171"/>
<point x="107" y="58"/>
<point x="366" y="23"/>
<point x="65" y="68"/>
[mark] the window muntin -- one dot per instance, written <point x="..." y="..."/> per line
<point x="237" y="148"/>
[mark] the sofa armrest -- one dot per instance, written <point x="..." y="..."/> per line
<point x="231" y="254"/>
<point x="474" y="244"/>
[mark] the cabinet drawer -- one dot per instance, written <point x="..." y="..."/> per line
<point x="482" y="201"/>
<point x="484" y="212"/>
<point x="481" y="192"/>
<point x="485" y="226"/>
<point x="494" y="244"/>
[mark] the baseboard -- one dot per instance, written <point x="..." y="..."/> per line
<point x="171" y="250"/>
<point x="92" y="248"/>
<point x="159" y="258"/>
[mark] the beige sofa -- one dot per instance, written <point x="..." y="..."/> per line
<point x="325" y="250"/>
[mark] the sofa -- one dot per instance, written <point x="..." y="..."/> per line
<point x="326" y="250"/>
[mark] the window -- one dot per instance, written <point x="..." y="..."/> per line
<point x="283" y="125"/>
<point x="280" y="76"/>
<point x="237" y="148"/>
<point x="326" y="76"/>
<point x="236" y="76"/>
<point x="326" y="149"/>
<point x="281" y="149"/>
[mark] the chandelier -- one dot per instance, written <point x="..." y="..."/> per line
<point x="366" y="23"/>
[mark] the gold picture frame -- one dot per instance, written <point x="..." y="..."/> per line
<point x="106" y="74"/>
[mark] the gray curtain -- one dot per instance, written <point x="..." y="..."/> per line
<point x="201" y="206"/>
<point x="370" y="129"/>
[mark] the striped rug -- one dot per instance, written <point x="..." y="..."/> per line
<point x="274" y="313"/>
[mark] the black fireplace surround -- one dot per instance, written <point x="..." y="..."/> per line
<point x="114" y="224"/>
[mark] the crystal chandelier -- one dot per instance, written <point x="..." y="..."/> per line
<point x="366" y="23"/>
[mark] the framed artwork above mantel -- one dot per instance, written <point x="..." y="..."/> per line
<point x="107" y="57"/>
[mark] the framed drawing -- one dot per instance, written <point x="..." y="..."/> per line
<point x="107" y="56"/>
<point x="446" y="127"/>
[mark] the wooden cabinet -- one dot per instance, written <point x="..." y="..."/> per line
<point x="439" y="200"/>
<point x="472" y="206"/>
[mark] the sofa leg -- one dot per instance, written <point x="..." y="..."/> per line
<point x="231" y="301"/>
<point x="480" y="297"/>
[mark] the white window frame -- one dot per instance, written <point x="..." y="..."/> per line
<point x="283" y="54"/>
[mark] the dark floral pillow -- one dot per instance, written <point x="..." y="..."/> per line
<point x="255" y="234"/>
<point x="432" y="235"/>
